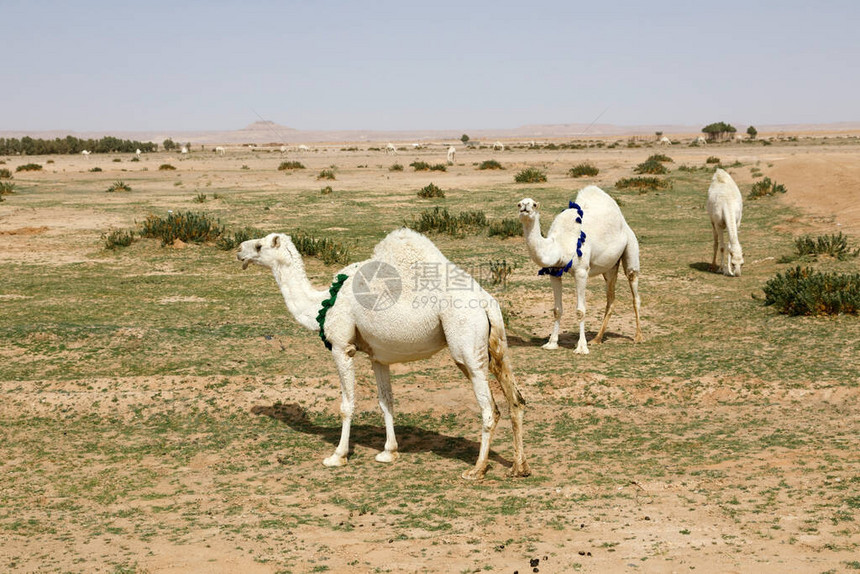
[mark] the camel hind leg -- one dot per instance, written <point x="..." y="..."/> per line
<point x="386" y="404"/>
<point x="630" y="263"/>
<point x="611" y="277"/>
<point x="716" y="246"/>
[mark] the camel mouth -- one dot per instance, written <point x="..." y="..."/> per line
<point x="245" y="263"/>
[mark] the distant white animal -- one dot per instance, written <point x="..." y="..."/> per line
<point x="86" y="154"/>
<point x="416" y="146"/>
<point x="390" y="149"/>
<point x="725" y="207"/>
<point x="137" y="152"/>
<point x="283" y="149"/>
<point x="701" y="141"/>
<point x="665" y="141"/>
<point x="220" y="150"/>
<point x="303" y="147"/>
<point x="451" y="153"/>
<point x="499" y="146"/>
<point x="184" y="150"/>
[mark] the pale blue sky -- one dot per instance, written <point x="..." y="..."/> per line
<point x="186" y="65"/>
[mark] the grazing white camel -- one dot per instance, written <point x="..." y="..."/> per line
<point x="184" y="150"/>
<point x="700" y="141"/>
<point x="376" y="307"/>
<point x="725" y="207"/>
<point x="220" y="150"/>
<point x="451" y="153"/>
<point x="86" y="154"/>
<point x="137" y="153"/>
<point x="589" y="238"/>
<point x="416" y="146"/>
<point x="499" y="146"/>
<point x="283" y="149"/>
<point x="391" y="149"/>
<point x="303" y="147"/>
<point x="665" y="141"/>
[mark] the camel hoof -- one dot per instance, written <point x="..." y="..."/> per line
<point x="638" y="338"/>
<point x="474" y="474"/>
<point x="581" y="350"/>
<point x="549" y="346"/>
<point x="387" y="456"/>
<point x="521" y="470"/>
<point x="335" y="460"/>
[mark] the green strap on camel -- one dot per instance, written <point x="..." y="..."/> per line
<point x="328" y="303"/>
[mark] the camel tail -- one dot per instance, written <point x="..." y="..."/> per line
<point x="500" y="360"/>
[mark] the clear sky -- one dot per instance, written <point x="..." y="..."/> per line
<point x="320" y="65"/>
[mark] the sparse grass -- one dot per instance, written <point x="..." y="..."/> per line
<point x="326" y="174"/>
<point x="199" y="198"/>
<point x="116" y="238"/>
<point x="325" y="249"/>
<point x="530" y="175"/>
<point x="583" y="170"/>
<point x="396" y="167"/>
<point x="804" y="291"/>
<point x="188" y="227"/>
<point x="118" y="186"/>
<point x="834" y="245"/>
<point x="504" y="228"/>
<point x="166" y="167"/>
<point x="765" y="188"/>
<point x="499" y="271"/>
<point x="6" y="188"/>
<point x="290" y="165"/>
<point x="643" y="184"/>
<point x="29" y="167"/>
<point x="490" y="164"/>
<point x="651" y="166"/>
<point x="440" y="220"/>
<point x="430" y="190"/>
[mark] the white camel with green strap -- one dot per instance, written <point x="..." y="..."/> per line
<point x="405" y="303"/>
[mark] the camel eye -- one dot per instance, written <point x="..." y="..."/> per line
<point x="259" y="247"/>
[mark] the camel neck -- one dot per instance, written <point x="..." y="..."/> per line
<point x="303" y="300"/>
<point x="543" y="251"/>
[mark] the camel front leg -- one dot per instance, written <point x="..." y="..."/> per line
<point x="581" y="281"/>
<point x="557" y="311"/>
<point x="386" y="403"/>
<point x="343" y="362"/>
<point x="610" y="276"/>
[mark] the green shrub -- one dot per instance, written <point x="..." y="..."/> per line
<point x="694" y="168"/>
<point x="135" y="158"/>
<point x="6" y="188"/>
<point x="530" y="175"/>
<point x="200" y="198"/>
<point x="490" y="164"/>
<point x="232" y="239"/>
<point x="187" y="227"/>
<point x="431" y="190"/>
<point x="119" y="185"/>
<point x="424" y="166"/>
<point x="651" y="166"/>
<point x="324" y="249"/>
<point x="764" y="188"/>
<point x="326" y="174"/>
<point x="29" y="167"/>
<point x="439" y="220"/>
<point x="505" y="228"/>
<point x="117" y="160"/>
<point x="642" y="184"/>
<point x="834" y="245"/>
<point x="808" y="292"/>
<point x="583" y="170"/>
<point x="95" y="169"/>
<point x="712" y="159"/>
<point x="5" y="174"/>
<point x="396" y="167"/>
<point x="661" y="157"/>
<point x="285" y="165"/>
<point x="166" y="167"/>
<point x="116" y="238"/>
<point x="326" y="190"/>
<point x="499" y="271"/>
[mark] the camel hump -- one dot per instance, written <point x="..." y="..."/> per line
<point x="722" y="176"/>
<point x="404" y="248"/>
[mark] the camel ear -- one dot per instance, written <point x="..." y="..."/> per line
<point x="537" y="205"/>
<point x="276" y="241"/>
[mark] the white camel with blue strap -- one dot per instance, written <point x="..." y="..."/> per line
<point x="589" y="238"/>
<point x="404" y="304"/>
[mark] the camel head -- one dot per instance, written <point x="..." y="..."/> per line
<point x="269" y="251"/>
<point x="736" y="260"/>
<point x="528" y="208"/>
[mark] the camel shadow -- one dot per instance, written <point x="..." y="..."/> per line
<point x="409" y="438"/>
<point x="702" y="266"/>
<point x="565" y="340"/>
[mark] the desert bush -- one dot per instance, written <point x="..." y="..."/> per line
<point x="642" y="184"/>
<point x="505" y="228"/>
<point x="420" y="166"/>
<point x="325" y="249"/>
<point x="530" y="175"/>
<point x="396" y="167"/>
<point x="583" y="170"/>
<point x="117" y="160"/>
<point x="764" y="188"/>
<point x="694" y="168"/>
<point x="712" y="159"/>
<point x="833" y="245"/>
<point x="135" y="158"/>
<point x="117" y="238"/>
<point x="29" y="167"/>
<point x="804" y="291"/>
<point x="431" y="190"/>
<point x="232" y="239"/>
<point x="6" y="188"/>
<point x="199" y="198"/>
<point x="326" y="174"/>
<point x="661" y="157"/>
<point x="95" y="169"/>
<point x="490" y="164"/>
<point x="166" y="167"/>
<point x="118" y="185"/>
<point x="651" y="166"/>
<point x="499" y="271"/>
<point x="285" y="165"/>
<point x="187" y="227"/>
<point x="5" y="174"/>
<point x="439" y="220"/>
<point x="326" y="190"/>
